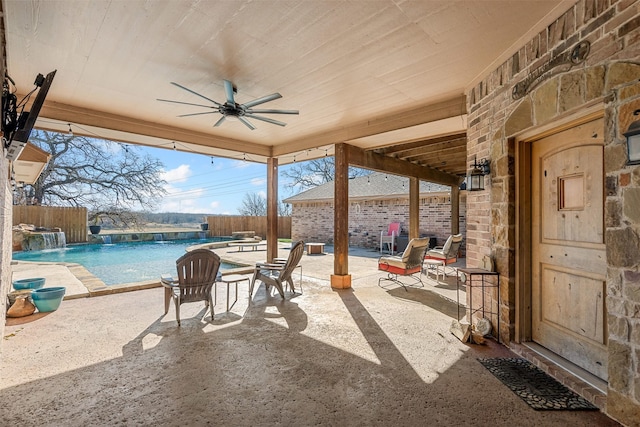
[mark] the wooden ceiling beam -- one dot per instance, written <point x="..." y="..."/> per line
<point x="370" y="160"/>
<point x="454" y="168"/>
<point x="457" y="145"/>
<point x="426" y="155"/>
<point x="453" y="107"/>
<point x="437" y="156"/>
<point x="417" y="145"/>
<point x="101" y="119"/>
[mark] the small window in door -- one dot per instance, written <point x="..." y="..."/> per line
<point x="571" y="192"/>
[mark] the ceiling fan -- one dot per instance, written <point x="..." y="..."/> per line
<point x="232" y="110"/>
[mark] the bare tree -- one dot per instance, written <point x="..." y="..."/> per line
<point x="312" y="173"/>
<point x="106" y="177"/>
<point x="253" y="204"/>
<point x="284" y="209"/>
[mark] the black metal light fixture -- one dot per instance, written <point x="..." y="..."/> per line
<point x="475" y="179"/>
<point x="633" y="141"/>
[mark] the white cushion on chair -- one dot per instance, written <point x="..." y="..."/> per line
<point x="447" y="245"/>
<point x="406" y="253"/>
<point x="436" y="253"/>
<point x="394" y="261"/>
<point x="449" y="250"/>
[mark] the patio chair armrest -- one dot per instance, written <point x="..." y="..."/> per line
<point x="384" y="258"/>
<point x="268" y="266"/>
<point x="167" y="281"/>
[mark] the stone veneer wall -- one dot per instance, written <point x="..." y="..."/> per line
<point x="313" y="222"/>
<point x="6" y="212"/>
<point x="610" y="77"/>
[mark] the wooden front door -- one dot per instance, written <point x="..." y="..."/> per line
<point x="568" y="251"/>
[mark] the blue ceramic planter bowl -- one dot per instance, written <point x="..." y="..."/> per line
<point x="33" y="283"/>
<point x="48" y="299"/>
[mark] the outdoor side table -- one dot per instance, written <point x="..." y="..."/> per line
<point x="483" y="279"/>
<point x="228" y="280"/>
<point x="315" y="248"/>
<point x="435" y="263"/>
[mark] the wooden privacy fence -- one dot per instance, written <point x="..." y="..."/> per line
<point x="225" y="225"/>
<point x="73" y="221"/>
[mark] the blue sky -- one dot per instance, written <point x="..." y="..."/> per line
<point x="195" y="184"/>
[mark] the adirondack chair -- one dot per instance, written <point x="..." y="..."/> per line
<point x="197" y="271"/>
<point x="275" y="274"/>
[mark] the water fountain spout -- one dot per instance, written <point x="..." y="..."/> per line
<point x="43" y="240"/>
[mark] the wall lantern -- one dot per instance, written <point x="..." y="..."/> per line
<point x="633" y="141"/>
<point x="475" y="179"/>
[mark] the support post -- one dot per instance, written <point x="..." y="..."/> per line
<point x="341" y="279"/>
<point x="272" y="208"/>
<point x="414" y="208"/>
<point x="455" y="209"/>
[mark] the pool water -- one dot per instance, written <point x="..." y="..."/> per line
<point x="121" y="262"/>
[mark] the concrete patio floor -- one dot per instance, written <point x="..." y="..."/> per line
<point x="363" y="357"/>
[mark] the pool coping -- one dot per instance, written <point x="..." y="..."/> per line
<point x="96" y="287"/>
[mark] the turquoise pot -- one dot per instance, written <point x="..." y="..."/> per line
<point x="48" y="299"/>
<point x="32" y="283"/>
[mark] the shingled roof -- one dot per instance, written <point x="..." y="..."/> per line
<point x="373" y="186"/>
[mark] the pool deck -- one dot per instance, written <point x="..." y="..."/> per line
<point x="80" y="283"/>
<point x="362" y="356"/>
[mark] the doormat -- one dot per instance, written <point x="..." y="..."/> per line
<point x="534" y="386"/>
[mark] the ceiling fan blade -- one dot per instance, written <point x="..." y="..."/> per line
<point x="196" y="93"/>
<point x="197" y="114"/>
<point x="219" y="122"/>
<point x="228" y="89"/>
<point x="246" y="122"/>
<point x="262" y="100"/>
<point x="273" y="111"/>
<point x="266" y="119"/>
<point x="185" y="103"/>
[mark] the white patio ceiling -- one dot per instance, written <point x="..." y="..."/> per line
<point x="373" y="72"/>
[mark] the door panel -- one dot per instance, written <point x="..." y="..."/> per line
<point x="568" y="251"/>
<point x="573" y="302"/>
<point x="572" y="210"/>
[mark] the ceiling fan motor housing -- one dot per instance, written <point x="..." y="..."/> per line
<point x="231" y="109"/>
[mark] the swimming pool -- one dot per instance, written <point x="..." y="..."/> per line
<point x="121" y="262"/>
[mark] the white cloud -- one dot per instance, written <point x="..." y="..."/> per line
<point x="218" y="208"/>
<point x="181" y="205"/>
<point x="111" y="147"/>
<point x="179" y="174"/>
<point x="186" y="201"/>
<point x="174" y="192"/>
<point x="262" y="194"/>
<point x="258" y="181"/>
<point x="241" y="164"/>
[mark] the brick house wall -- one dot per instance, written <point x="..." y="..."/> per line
<point x="610" y="77"/>
<point x="313" y="221"/>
